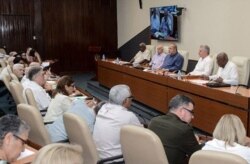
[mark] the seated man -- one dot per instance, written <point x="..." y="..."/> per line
<point x="205" y="62"/>
<point x="227" y="72"/>
<point x="57" y="130"/>
<point x="14" y="135"/>
<point x="110" y="119"/>
<point x="173" y="62"/>
<point x="35" y="83"/>
<point x="18" y="71"/>
<point x="158" y="58"/>
<point x="173" y="129"/>
<point x="142" y="56"/>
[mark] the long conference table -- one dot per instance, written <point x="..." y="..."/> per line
<point x="156" y="91"/>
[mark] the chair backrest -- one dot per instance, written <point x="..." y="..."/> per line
<point x="208" y="157"/>
<point x="140" y="145"/>
<point x="16" y="90"/>
<point x="215" y="65"/>
<point x="30" y="98"/>
<point x="185" y="55"/>
<point x="165" y="49"/>
<point x="243" y="65"/>
<point x="7" y="80"/>
<point x="2" y="50"/>
<point x="38" y="133"/>
<point x="79" y="133"/>
<point x="3" y="63"/>
<point x="151" y="49"/>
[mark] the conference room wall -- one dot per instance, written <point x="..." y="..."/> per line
<point x="223" y="24"/>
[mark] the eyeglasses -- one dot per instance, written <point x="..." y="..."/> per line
<point x="23" y="141"/>
<point x="130" y="97"/>
<point x="72" y="85"/>
<point x="190" y="111"/>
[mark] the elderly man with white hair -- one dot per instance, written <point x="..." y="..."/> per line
<point x="18" y="70"/>
<point x="110" y="119"/>
<point x="35" y="83"/>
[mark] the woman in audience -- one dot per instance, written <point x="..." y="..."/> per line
<point x="59" y="153"/>
<point x="230" y="136"/>
<point x="61" y="101"/>
<point x="33" y="56"/>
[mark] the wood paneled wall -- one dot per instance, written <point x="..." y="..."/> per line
<point x="65" y="29"/>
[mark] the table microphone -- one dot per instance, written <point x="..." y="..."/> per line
<point x="236" y="91"/>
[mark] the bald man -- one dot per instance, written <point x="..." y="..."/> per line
<point x="227" y="72"/>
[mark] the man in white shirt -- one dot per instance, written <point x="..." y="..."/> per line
<point x="142" y="56"/>
<point x="111" y="118"/>
<point x="227" y="72"/>
<point x="35" y="83"/>
<point x="158" y="58"/>
<point x="205" y="62"/>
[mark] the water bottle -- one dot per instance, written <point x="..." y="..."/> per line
<point x="103" y="57"/>
<point x="117" y="60"/>
<point x="179" y="75"/>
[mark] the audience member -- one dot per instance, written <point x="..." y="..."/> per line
<point x="173" y="61"/>
<point x="110" y="119"/>
<point x="174" y="130"/>
<point x="142" y="56"/>
<point x="13" y="137"/>
<point x="35" y="83"/>
<point x="33" y="56"/>
<point x="229" y="136"/>
<point x="61" y="102"/>
<point x="32" y="64"/>
<point x="227" y="72"/>
<point x="59" y="153"/>
<point x="158" y="58"/>
<point x="57" y="130"/>
<point x="18" y="71"/>
<point x="205" y="62"/>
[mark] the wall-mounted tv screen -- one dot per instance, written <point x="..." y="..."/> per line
<point x="163" y="23"/>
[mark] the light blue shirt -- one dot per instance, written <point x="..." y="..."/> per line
<point x="157" y="60"/>
<point x="173" y="62"/>
<point x="57" y="130"/>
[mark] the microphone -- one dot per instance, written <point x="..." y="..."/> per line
<point x="236" y="91"/>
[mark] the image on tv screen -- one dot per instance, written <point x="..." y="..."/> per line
<point x="163" y="23"/>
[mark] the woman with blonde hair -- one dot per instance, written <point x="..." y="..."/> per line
<point x="230" y="136"/>
<point x="59" y="153"/>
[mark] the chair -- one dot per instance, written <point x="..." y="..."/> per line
<point x="215" y="157"/>
<point x="151" y="49"/>
<point x="16" y="90"/>
<point x="38" y="133"/>
<point x="215" y="65"/>
<point x="141" y="145"/>
<point x="185" y="55"/>
<point x="7" y="80"/>
<point x="243" y="65"/>
<point x="165" y="49"/>
<point x="2" y="50"/>
<point x="30" y="98"/>
<point x="81" y="135"/>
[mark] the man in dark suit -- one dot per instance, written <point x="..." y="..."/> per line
<point x="173" y="129"/>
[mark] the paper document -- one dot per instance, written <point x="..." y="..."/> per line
<point x="26" y="153"/>
<point x="198" y="81"/>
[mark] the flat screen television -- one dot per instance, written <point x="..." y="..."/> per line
<point x="163" y="23"/>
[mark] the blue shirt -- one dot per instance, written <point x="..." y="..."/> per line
<point x="173" y="62"/>
<point x="57" y="130"/>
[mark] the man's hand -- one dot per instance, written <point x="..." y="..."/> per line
<point x="219" y="80"/>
